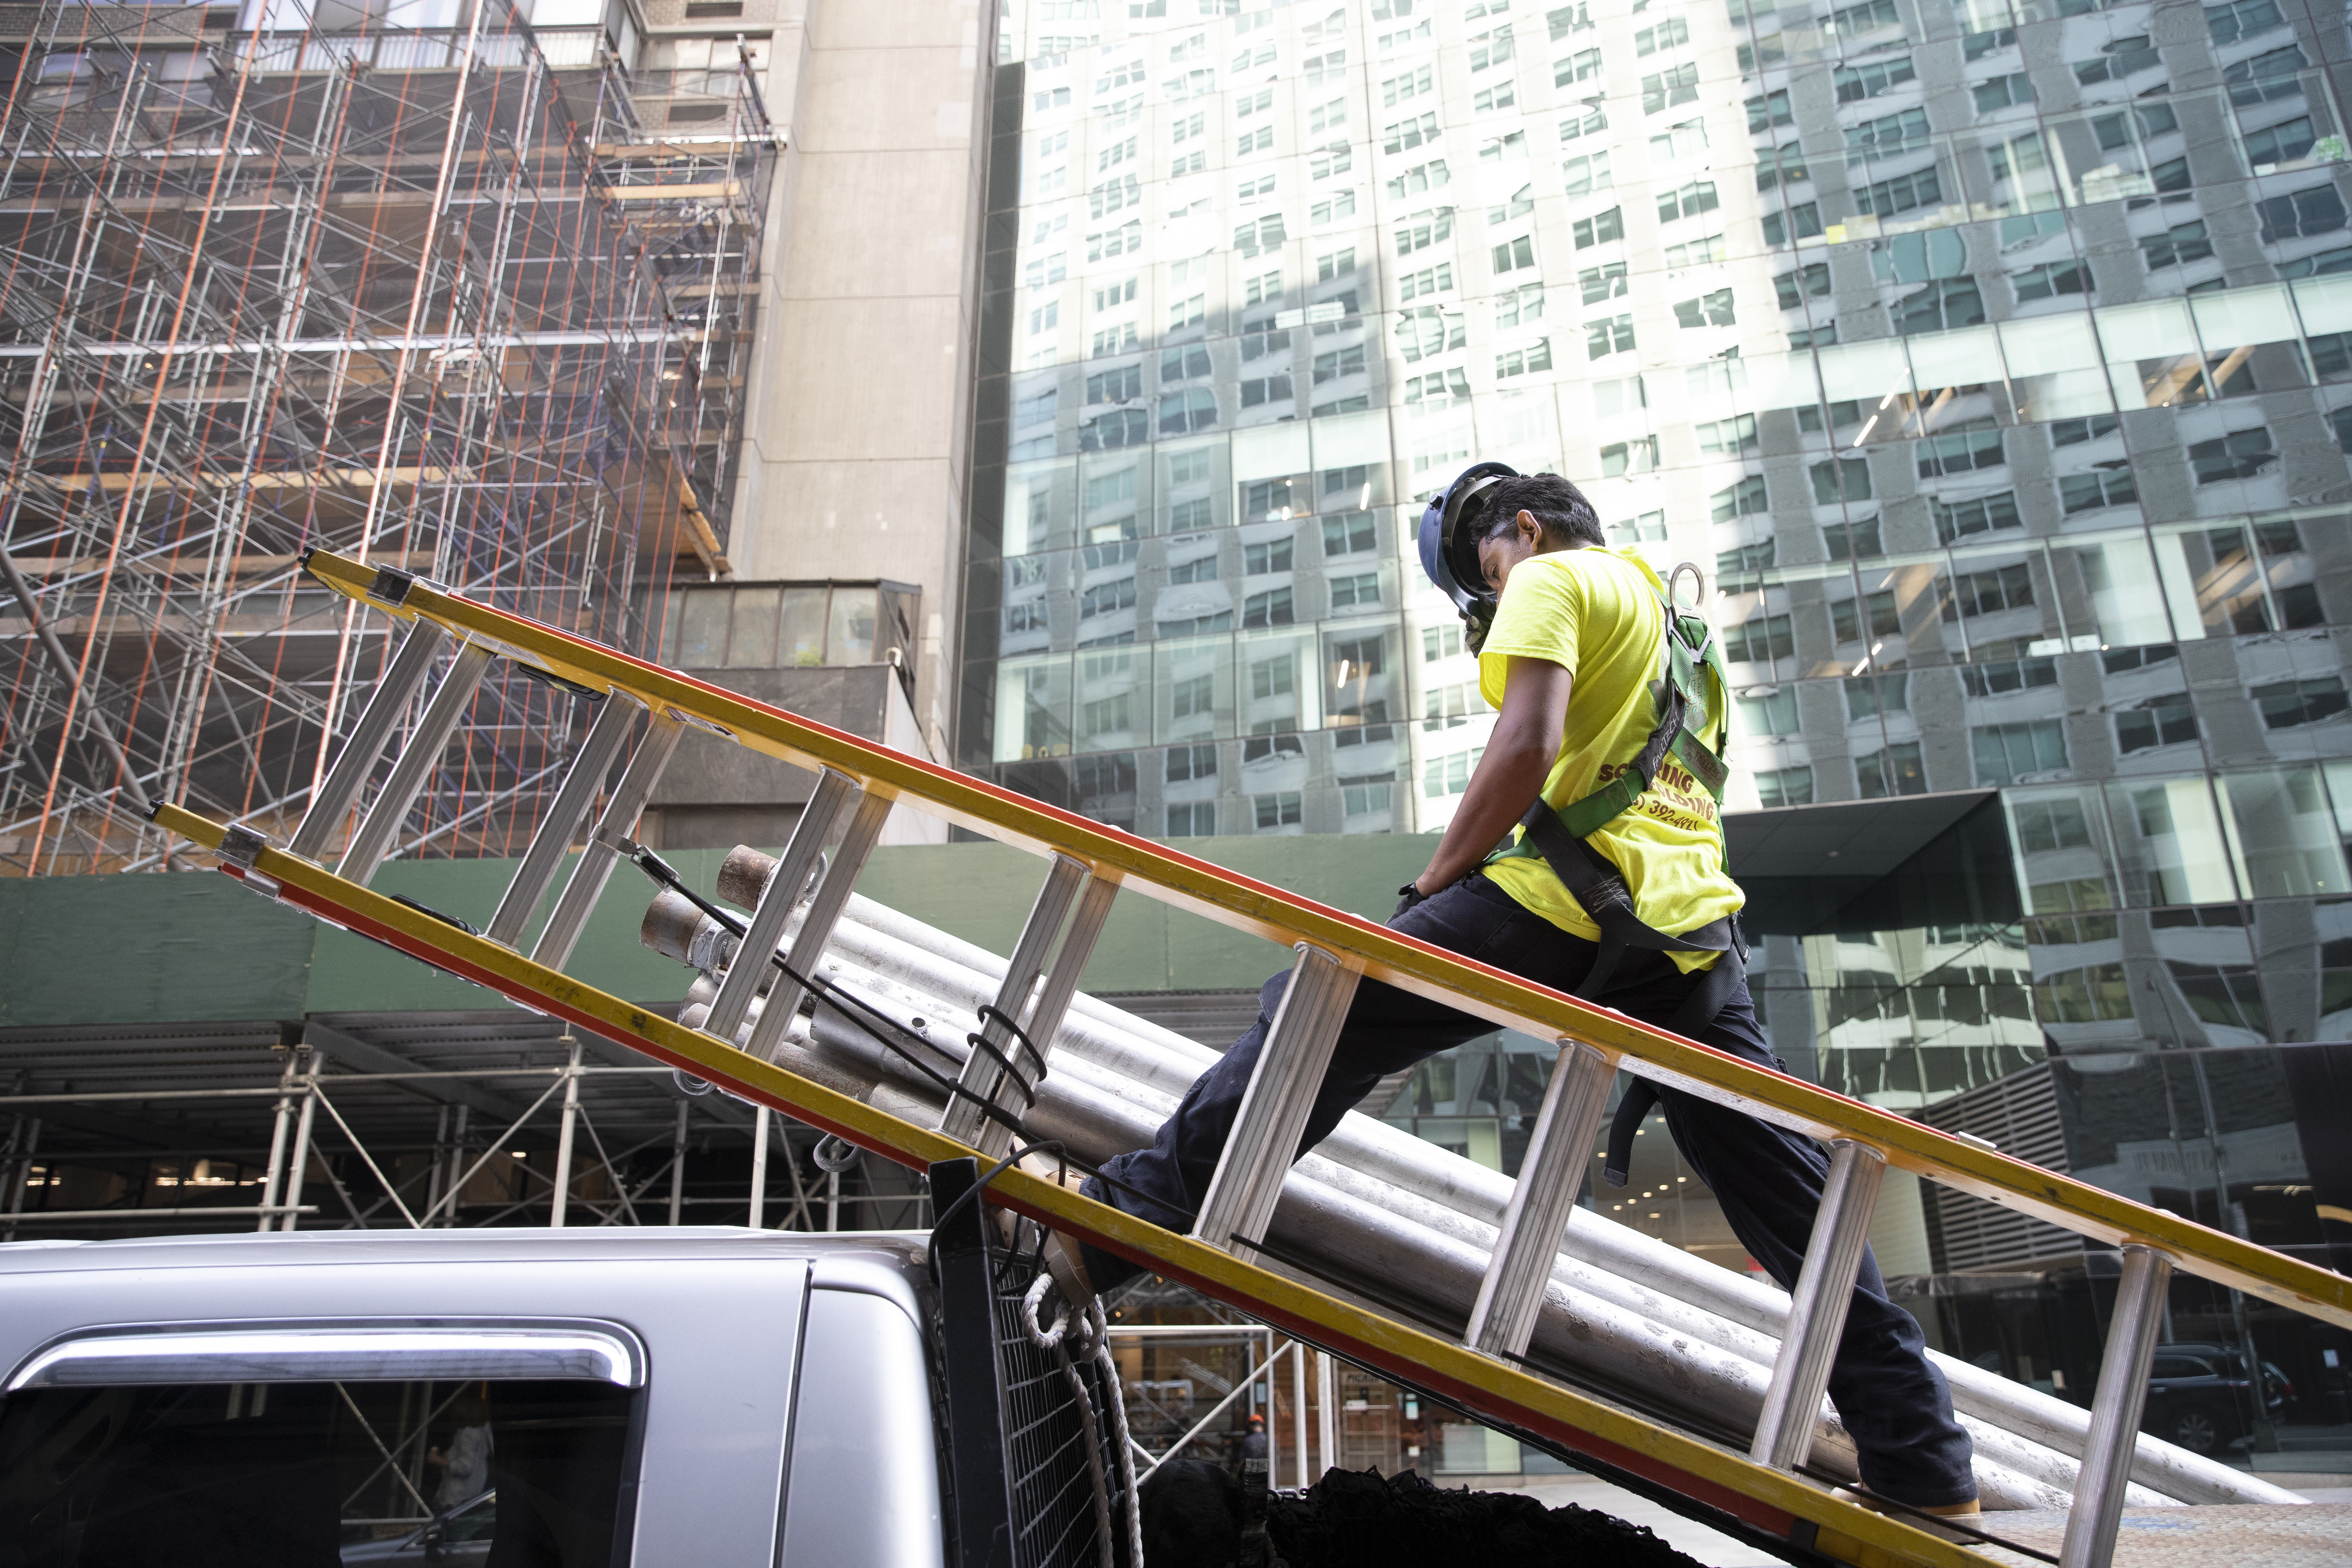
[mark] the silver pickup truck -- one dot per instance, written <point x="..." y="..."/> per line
<point x="586" y="1398"/>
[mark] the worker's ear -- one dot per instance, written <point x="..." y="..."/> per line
<point x="1530" y="531"/>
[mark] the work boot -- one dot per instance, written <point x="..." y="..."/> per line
<point x="1909" y="1513"/>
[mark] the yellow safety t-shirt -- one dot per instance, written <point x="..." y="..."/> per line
<point x="1594" y="612"/>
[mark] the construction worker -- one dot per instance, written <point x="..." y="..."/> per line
<point x="1605" y="755"/>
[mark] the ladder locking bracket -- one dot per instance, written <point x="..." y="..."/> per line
<point x="391" y="585"/>
<point x="241" y="847"/>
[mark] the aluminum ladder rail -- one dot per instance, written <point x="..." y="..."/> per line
<point x="1757" y="1491"/>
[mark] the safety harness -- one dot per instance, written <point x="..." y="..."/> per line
<point x="1690" y="693"/>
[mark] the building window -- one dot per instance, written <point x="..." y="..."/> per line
<point x="1274" y="555"/>
<point x="1747" y="559"/>
<point x="1772" y="712"/>
<point x="2000" y="92"/>
<point x="1740" y="499"/>
<point x="1198" y="820"/>
<point x="1989" y="592"/>
<point x="1521" y="362"/>
<point x="2240" y="454"/>
<point x="1998" y="676"/>
<point x="1946" y="303"/>
<point x="1707" y="310"/>
<point x="1890" y="770"/>
<point x="1585" y="174"/>
<point x="1629" y="457"/>
<point x="1265" y="389"/>
<point x="1686" y="201"/>
<point x="2181" y="242"/>
<point x="1784" y="787"/>
<point x="1957" y="519"/>
<point x="1600" y="229"/>
<point x="2285" y="704"/>
<point x="1902" y="132"/>
<point x="1855" y="83"/>
<point x="1803" y="221"/>
<point x="1349" y="535"/>
<point x="1356" y="591"/>
<point x="1513" y="254"/>
<point x="1438" y="388"/>
<point x="1760" y="639"/>
<point x="2098" y="993"/>
<point x="2242" y="19"/>
<point x="1277" y="810"/>
<point x="2085" y="492"/>
<point x="1669" y="88"/>
<point x="1331" y="367"/>
<point x="1413" y="130"/>
<point x="1847" y="617"/>
<point x="1362" y="794"/>
<point x="1442" y="776"/>
<point x="1795" y="286"/>
<point x="2007" y="752"/>
<point x="1582" y="66"/>
<point x="1869" y="696"/>
<point x="1422" y="230"/>
<point x="2074" y="432"/>
<point x="1611" y="334"/>
<point x="1855" y="540"/>
<point x="1906" y="193"/>
<point x="1840" y="479"/>
<point x="2159" y="722"/>
<point x="1191" y="762"/>
<point x="2316" y="210"/>
<point x="1670" y="34"/>
<point x="1183" y="411"/>
<point x="1124" y="384"/>
<point x="1960" y="452"/>
<point x="1770" y="110"/>
<point x="1271" y="608"/>
<point x="1735" y="437"/>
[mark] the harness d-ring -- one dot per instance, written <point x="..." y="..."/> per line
<point x="1696" y="576"/>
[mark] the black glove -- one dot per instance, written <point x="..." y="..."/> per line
<point x="1408" y="896"/>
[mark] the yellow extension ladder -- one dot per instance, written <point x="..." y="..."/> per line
<point x="1483" y="1374"/>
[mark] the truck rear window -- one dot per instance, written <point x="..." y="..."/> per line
<point x="316" y="1475"/>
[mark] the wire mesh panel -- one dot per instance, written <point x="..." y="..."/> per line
<point x="1054" y="1524"/>
<point x="1017" y="1431"/>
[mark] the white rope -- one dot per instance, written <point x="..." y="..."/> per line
<point x="1056" y="1339"/>
<point x="1098" y="1327"/>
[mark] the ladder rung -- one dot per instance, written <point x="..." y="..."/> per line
<point x="1553" y="1172"/>
<point x="1817" y="1307"/>
<point x="816" y="926"/>
<point x="595" y="864"/>
<point x="750" y="970"/>
<point x="995" y="1139"/>
<point x="1241" y="1195"/>
<point x="377" y="830"/>
<point x="573" y="802"/>
<point x="2116" y="1409"/>
<point x="983" y="1075"/>
<point x="340" y="791"/>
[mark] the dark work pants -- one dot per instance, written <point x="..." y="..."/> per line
<point x="1769" y="1181"/>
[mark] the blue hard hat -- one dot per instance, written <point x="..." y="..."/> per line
<point x="1449" y="548"/>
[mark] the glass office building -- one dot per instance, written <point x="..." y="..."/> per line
<point x="1994" y="361"/>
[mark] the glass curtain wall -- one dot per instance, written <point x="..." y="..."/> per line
<point x="1994" y="360"/>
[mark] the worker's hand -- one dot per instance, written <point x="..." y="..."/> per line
<point x="1407" y="897"/>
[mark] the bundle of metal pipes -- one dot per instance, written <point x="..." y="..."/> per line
<point x="1404" y="1225"/>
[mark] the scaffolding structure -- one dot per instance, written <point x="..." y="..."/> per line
<point x="472" y="303"/>
<point x="400" y="1121"/>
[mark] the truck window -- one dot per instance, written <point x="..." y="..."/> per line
<point x="100" y="1466"/>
